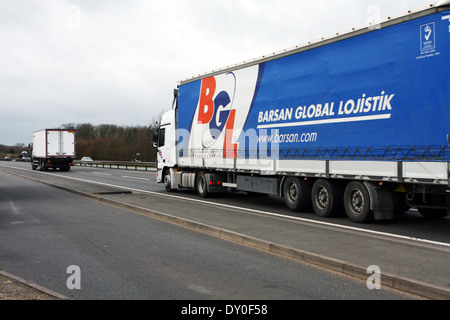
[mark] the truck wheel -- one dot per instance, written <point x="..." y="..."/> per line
<point x="168" y="181"/>
<point x="201" y="185"/>
<point x="357" y="202"/>
<point x="327" y="198"/>
<point x="297" y="194"/>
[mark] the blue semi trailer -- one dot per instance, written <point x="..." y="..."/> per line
<point x="358" y="123"/>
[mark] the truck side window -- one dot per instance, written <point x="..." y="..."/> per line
<point x="162" y="137"/>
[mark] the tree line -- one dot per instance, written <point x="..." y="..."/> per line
<point x="114" y="143"/>
<point x="8" y="151"/>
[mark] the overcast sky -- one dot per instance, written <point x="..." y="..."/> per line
<point x="118" y="61"/>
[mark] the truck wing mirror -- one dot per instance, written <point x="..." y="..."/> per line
<point x="155" y="139"/>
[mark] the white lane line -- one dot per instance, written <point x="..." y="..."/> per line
<point x="101" y="174"/>
<point x="136" y="178"/>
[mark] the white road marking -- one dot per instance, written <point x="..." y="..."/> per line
<point x="136" y="178"/>
<point x="101" y="174"/>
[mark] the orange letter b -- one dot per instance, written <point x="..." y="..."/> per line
<point x="206" y="108"/>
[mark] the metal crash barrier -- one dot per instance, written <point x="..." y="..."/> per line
<point x="121" y="165"/>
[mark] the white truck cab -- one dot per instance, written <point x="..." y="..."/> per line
<point x="165" y="141"/>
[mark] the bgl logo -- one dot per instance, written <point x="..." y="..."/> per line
<point x="216" y="114"/>
<point x="427" y="37"/>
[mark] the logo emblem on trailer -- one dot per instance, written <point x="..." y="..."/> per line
<point x="216" y="113"/>
<point x="427" y="37"/>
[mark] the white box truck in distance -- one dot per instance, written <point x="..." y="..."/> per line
<point x="358" y="123"/>
<point x="53" y="149"/>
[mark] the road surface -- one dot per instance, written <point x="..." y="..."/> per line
<point x="124" y="255"/>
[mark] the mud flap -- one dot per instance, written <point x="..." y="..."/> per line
<point x="381" y="201"/>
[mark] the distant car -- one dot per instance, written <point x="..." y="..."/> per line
<point x="23" y="157"/>
<point x="86" y="161"/>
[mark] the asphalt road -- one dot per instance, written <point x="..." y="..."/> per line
<point x="124" y="255"/>
<point x="410" y="224"/>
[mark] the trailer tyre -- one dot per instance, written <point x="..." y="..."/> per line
<point x="357" y="202"/>
<point x="327" y="198"/>
<point x="297" y="194"/>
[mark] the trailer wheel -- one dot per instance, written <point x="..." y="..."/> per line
<point x="201" y="185"/>
<point x="297" y="193"/>
<point x="327" y="198"/>
<point x="357" y="202"/>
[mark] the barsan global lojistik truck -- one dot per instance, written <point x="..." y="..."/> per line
<point x="358" y="123"/>
<point x="53" y="149"/>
